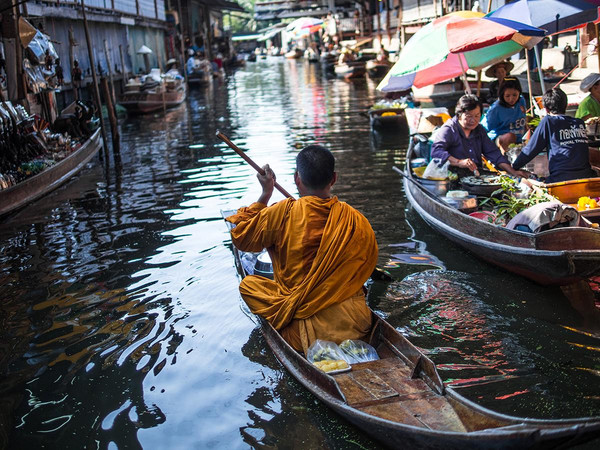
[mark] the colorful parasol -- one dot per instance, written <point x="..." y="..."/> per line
<point x="304" y="26"/>
<point x="448" y="46"/>
<point x="554" y="16"/>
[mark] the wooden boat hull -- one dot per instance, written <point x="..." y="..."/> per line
<point x="555" y="257"/>
<point x="396" y="122"/>
<point x="401" y="401"/>
<point x="377" y="71"/>
<point x="351" y="70"/>
<point x="198" y="79"/>
<point x="35" y="187"/>
<point x="147" y="102"/>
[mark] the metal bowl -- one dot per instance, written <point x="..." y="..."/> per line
<point x="437" y="187"/>
<point x="263" y="265"/>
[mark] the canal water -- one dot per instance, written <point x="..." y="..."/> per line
<point x="121" y="325"/>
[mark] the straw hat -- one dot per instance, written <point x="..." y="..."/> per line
<point x="491" y="71"/>
<point x="171" y="61"/>
<point x="589" y="81"/>
<point x="430" y="123"/>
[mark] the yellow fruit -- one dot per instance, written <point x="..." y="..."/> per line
<point x="330" y="365"/>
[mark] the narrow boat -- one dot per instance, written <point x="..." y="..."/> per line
<point x="294" y="53"/>
<point x="559" y="256"/>
<point x="377" y="69"/>
<point x="35" y="187"/>
<point x="401" y="401"/>
<point x="388" y="119"/>
<point x="153" y="94"/>
<point x="352" y="69"/>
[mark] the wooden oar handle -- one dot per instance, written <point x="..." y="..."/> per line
<point x="246" y="158"/>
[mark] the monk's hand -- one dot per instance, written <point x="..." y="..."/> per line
<point x="267" y="181"/>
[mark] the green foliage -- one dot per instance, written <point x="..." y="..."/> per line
<point x="507" y="204"/>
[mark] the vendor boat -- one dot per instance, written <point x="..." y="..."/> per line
<point x="351" y="69"/>
<point x="400" y="399"/>
<point x="377" y="69"/>
<point x="558" y="256"/>
<point x="21" y="194"/>
<point x="388" y="119"/>
<point x="153" y="92"/>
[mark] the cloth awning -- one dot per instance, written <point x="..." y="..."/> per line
<point x="222" y="4"/>
<point x="248" y="37"/>
<point x="321" y="12"/>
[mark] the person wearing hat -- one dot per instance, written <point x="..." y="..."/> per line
<point x="499" y="71"/>
<point x="590" y="106"/>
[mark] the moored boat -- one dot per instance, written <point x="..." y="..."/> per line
<point x="558" y="256"/>
<point x="401" y="400"/>
<point x="389" y="119"/>
<point x="352" y="69"/>
<point x="153" y="93"/>
<point x="21" y="194"/>
<point x="377" y="69"/>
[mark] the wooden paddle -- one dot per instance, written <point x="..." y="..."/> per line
<point x="378" y="274"/>
<point x="246" y="158"/>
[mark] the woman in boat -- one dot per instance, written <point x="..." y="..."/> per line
<point x="564" y="138"/>
<point x="499" y="71"/>
<point x="506" y="119"/>
<point x="322" y="250"/>
<point x="462" y="141"/>
<point x="590" y="106"/>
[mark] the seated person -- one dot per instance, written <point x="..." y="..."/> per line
<point x="564" y="138"/>
<point x="499" y="71"/>
<point x="589" y="106"/>
<point x="322" y="250"/>
<point x="462" y="141"/>
<point x="505" y="120"/>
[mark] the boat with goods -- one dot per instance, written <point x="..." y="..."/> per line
<point x="400" y="399"/>
<point x="152" y="93"/>
<point x="558" y="256"/>
<point x="52" y="156"/>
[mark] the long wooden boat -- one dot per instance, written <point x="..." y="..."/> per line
<point x="388" y="119"/>
<point x="558" y="256"/>
<point x="353" y="69"/>
<point x="30" y="189"/>
<point x="147" y="101"/>
<point x="377" y="70"/>
<point x="401" y="400"/>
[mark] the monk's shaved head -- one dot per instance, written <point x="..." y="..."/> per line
<point x="316" y="166"/>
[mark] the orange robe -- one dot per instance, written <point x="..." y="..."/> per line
<point x="323" y="251"/>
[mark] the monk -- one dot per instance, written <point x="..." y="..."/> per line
<point x="322" y="250"/>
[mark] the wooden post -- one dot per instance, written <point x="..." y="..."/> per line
<point x="113" y="98"/>
<point x="112" y="117"/>
<point x="123" y="69"/>
<point x="531" y="99"/>
<point x="387" y="23"/>
<point x="163" y="84"/>
<point x="597" y="44"/>
<point x="96" y="91"/>
<point x="182" y="47"/>
<point x="378" y="25"/>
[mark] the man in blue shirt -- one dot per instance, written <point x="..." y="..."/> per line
<point x="462" y="141"/>
<point x="564" y="138"/>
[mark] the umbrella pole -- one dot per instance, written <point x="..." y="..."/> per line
<point x="531" y="99"/>
<point x="539" y="68"/>
<point x="464" y="76"/>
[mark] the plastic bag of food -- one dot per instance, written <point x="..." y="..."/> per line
<point x="436" y="170"/>
<point x="355" y="351"/>
<point x="324" y="351"/>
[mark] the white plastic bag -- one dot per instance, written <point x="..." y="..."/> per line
<point x="436" y="170"/>
<point x="356" y="351"/>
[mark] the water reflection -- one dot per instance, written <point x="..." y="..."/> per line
<point x="121" y="322"/>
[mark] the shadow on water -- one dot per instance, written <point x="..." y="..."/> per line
<point x="120" y="324"/>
